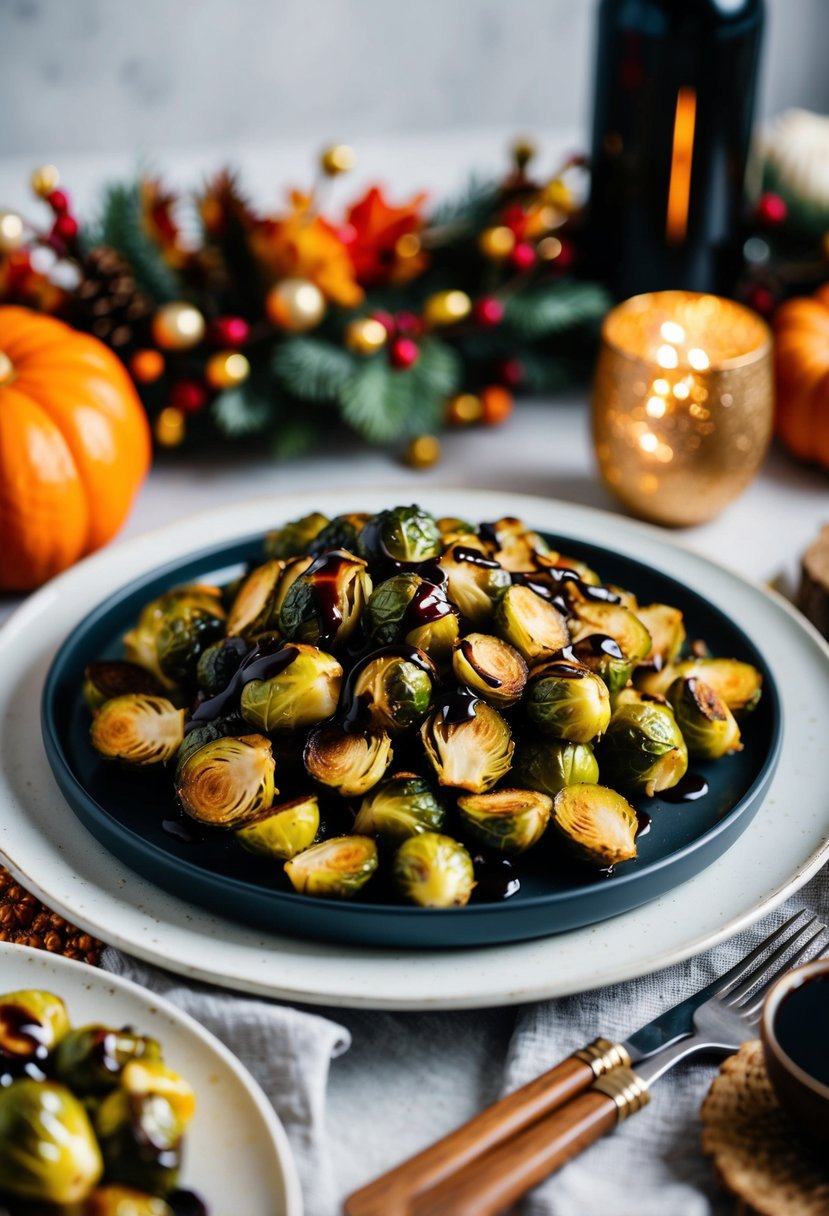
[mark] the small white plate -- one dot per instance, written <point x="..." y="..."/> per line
<point x="237" y="1156"/>
<point x="49" y="851"/>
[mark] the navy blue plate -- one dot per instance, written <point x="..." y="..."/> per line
<point x="125" y="810"/>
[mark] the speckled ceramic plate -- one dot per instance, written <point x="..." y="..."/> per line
<point x="235" y="1133"/>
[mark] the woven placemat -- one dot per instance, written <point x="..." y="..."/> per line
<point x="756" y="1150"/>
<point x="25" y="921"/>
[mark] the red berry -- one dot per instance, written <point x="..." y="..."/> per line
<point x="230" y="331"/>
<point x="189" y="396"/>
<point x="489" y="311"/>
<point x="403" y="353"/>
<point x="522" y="256"/>
<point x="58" y="200"/>
<point x="760" y="299"/>
<point x="566" y="256"/>
<point x="385" y="319"/>
<point x="408" y="323"/>
<point x="510" y="372"/>
<point x="515" y="218"/>
<point x="771" y="210"/>
<point x="65" y="227"/>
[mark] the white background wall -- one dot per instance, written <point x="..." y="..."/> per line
<point x="152" y="75"/>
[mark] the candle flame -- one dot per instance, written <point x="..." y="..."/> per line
<point x="679" y="186"/>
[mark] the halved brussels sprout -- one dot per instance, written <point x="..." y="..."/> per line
<point x="253" y="609"/>
<point x="284" y="830"/>
<point x="138" y="729"/>
<point x="707" y="724"/>
<point x="200" y="733"/>
<point x="183" y="633"/>
<point x="401" y="534"/>
<point x="515" y="546"/>
<point x="739" y="684"/>
<point x="433" y="871"/>
<point x="510" y="821"/>
<point x="643" y="749"/>
<point x="666" y="625"/>
<point x="531" y="624"/>
<point x="227" y="781"/>
<point x="407" y="607"/>
<point x="142" y="1078"/>
<point x="598" y="823"/>
<point x="202" y="603"/>
<point x="343" y="532"/>
<point x="550" y="764"/>
<point x="617" y="622"/>
<point x="91" y="1059"/>
<point x="392" y="689"/>
<point x="294" y="538"/>
<point x="324" y="604"/>
<point x="219" y="663"/>
<point x="568" y="701"/>
<point x="140" y="1136"/>
<point x="400" y="807"/>
<point x="48" y="1150"/>
<point x="304" y="692"/>
<point x="294" y="567"/>
<point x="490" y="667"/>
<point x="473" y="581"/>
<point x="450" y="526"/>
<point x="350" y="764"/>
<point x="603" y="655"/>
<point x="584" y="573"/>
<point x="115" y="678"/>
<point x="32" y="1023"/>
<point x="471" y="754"/>
<point x="337" y="868"/>
<point x="388" y="606"/>
<point x="115" y="1200"/>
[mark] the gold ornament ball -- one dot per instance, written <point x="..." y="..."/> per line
<point x="227" y="369"/>
<point x="496" y="243"/>
<point x="464" y="409"/>
<point x="11" y="231"/>
<point x="558" y="195"/>
<point x="44" y="180"/>
<point x="170" y="427"/>
<point x="548" y="249"/>
<point x="446" y="308"/>
<point x="295" y="305"/>
<point x="422" y="452"/>
<point x="523" y="150"/>
<point x="408" y="245"/>
<point x="178" y="326"/>
<point x="337" y="159"/>
<point x="365" y="336"/>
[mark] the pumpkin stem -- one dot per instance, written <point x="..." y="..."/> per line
<point x="6" y="369"/>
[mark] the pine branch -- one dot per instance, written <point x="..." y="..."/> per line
<point x="554" y="308"/>
<point x="246" y="410"/>
<point x="471" y="208"/>
<point x="384" y="405"/>
<point x="312" y="369"/>
<point x="121" y="226"/>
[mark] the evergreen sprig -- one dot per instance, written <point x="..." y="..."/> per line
<point x="120" y="226"/>
<point x="553" y="308"/>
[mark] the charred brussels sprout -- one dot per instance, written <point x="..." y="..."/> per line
<point x="253" y="608"/>
<point x="470" y="754"/>
<point x="510" y="821"/>
<point x="598" y="823"/>
<point x="666" y="626"/>
<point x="531" y="624"/>
<point x="402" y="534"/>
<point x="294" y="567"/>
<point x="227" y="781"/>
<point x="182" y="614"/>
<point x="185" y="631"/>
<point x="707" y="724"/>
<point x="295" y="538"/>
<point x="602" y="655"/>
<point x="739" y="684"/>
<point x="433" y="871"/>
<point x="408" y="608"/>
<point x="115" y="678"/>
<point x="350" y="764"/>
<point x="219" y="663"/>
<point x="400" y="807"/>
<point x="32" y="1023"/>
<point x="138" y="729"/>
<point x="392" y="691"/>
<point x="323" y="605"/>
<point x="337" y="868"/>
<point x="343" y="532"/>
<point x="550" y="764"/>
<point x="91" y="1059"/>
<point x="516" y="547"/>
<point x="207" y="732"/>
<point x="490" y="667"/>
<point x="643" y="749"/>
<point x="140" y="1135"/>
<point x="473" y="581"/>
<point x="620" y="624"/>
<point x="117" y="1200"/>
<point x="282" y="831"/>
<point x="305" y="691"/>
<point x="48" y="1151"/>
<point x="568" y="701"/>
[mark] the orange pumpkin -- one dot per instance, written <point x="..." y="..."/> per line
<point x="74" y="446"/>
<point x="801" y="355"/>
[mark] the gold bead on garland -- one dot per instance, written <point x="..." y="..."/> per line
<point x="11" y="231"/>
<point x="365" y="336"/>
<point x="446" y="308"/>
<point x="422" y="452"/>
<point x="44" y="180"/>
<point x="178" y="326"/>
<point x="523" y="150"/>
<point x="170" y="427"/>
<point x="227" y="369"/>
<point x="337" y="159"/>
<point x="496" y="243"/>
<point x="296" y="305"/>
<point x="464" y="409"/>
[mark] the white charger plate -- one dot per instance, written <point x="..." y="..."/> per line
<point x="50" y="852"/>
<point x="237" y="1155"/>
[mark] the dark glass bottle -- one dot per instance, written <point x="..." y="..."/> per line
<point x="673" y="110"/>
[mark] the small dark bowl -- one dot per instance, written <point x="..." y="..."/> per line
<point x="804" y="1098"/>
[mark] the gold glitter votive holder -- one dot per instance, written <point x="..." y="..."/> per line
<point x="682" y="403"/>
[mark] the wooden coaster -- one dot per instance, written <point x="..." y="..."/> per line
<point x="756" y="1150"/>
<point x="25" y="921"/>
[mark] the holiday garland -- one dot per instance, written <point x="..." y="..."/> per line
<point x="389" y="320"/>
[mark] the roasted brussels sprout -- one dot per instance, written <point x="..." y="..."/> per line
<point x="568" y="701"/>
<point x="227" y="781"/>
<point x="138" y="729"/>
<point x="118" y="1200"/>
<point x="32" y="1023"/>
<point x="337" y="868"/>
<point x="603" y="656"/>
<point x="143" y="1078"/>
<point x="295" y="538"/>
<point x="189" y="617"/>
<point x="643" y="749"/>
<point x="294" y="567"/>
<point x="448" y="525"/>
<point x="408" y="608"/>
<point x="471" y="751"/>
<point x="48" y="1151"/>
<point x="617" y="622"/>
<point x="738" y="684"/>
<point x="115" y="678"/>
<point x="598" y="823"/>
<point x="324" y="604"/>
<point x="550" y="764"/>
<point x="350" y="764"/>
<point x="183" y="633"/>
<point x="473" y="581"/>
<point x="510" y="821"/>
<point x="253" y="609"/>
<point x="531" y="624"/>
<point x="400" y="807"/>
<point x="91" y="1059"/>
<point x="491" y="668"/>
<point x="305" y="691"/>
<point x="666" y="625"/>
<point x="140" y="1135"/>
<point x="219" y="663"/>
<point x="707" y="724"/>
<point x="343" y="532"/>
<point x="433" y="871"/>
<point x="402" y="534"/>
<point x="284" y="830"/>
<point x="200" y="733"/>
<point x="515" y="546"/>
<point x="392" y="689"/>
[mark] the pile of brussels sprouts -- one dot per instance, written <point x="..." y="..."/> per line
<point x="92" y="1121"/>
<point x="436" y="689"/>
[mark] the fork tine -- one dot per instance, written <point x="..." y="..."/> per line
<point x="737" y="972"/>
<point x="753" y="1003"/>
<point x="760" y="973"/>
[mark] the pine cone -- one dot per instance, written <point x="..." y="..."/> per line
<point x="107" y="302"/>
<point x="27" y="922"/>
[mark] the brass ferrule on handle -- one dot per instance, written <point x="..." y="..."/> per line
<point x="629" y="1092"/>
<point x="603" y="1057"/>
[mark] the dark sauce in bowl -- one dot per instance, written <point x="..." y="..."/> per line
<point x="801" y="1026"/>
